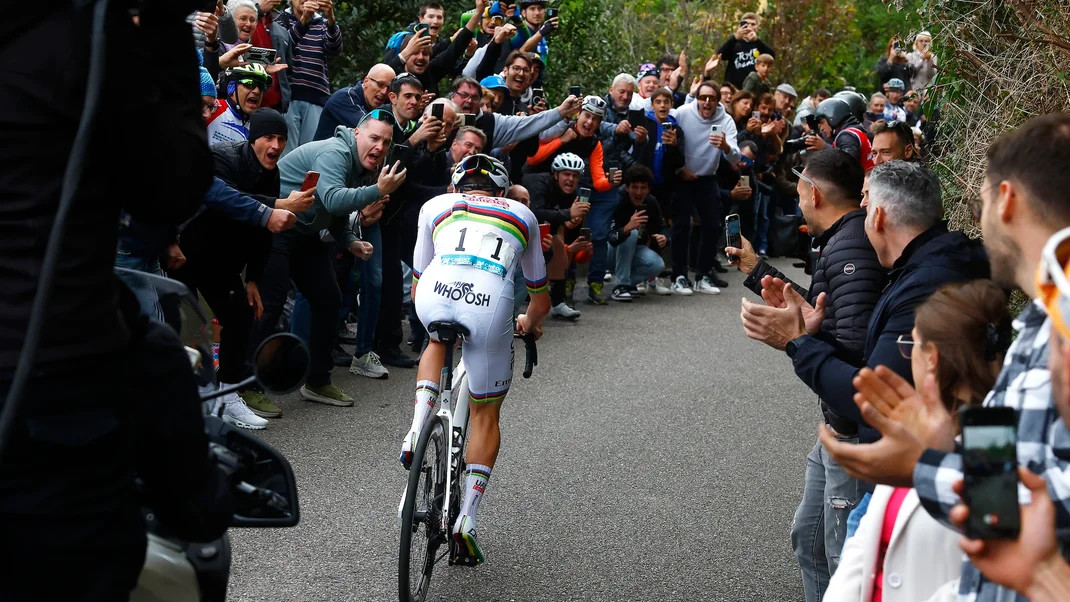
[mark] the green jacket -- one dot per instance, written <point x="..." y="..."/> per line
<point x="344" y="185"/>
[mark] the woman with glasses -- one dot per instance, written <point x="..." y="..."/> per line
<point x="899" y="552"/>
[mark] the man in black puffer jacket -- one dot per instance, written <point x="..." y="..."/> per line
<point x="847" y="282"/>
<point x="218" y="248"/>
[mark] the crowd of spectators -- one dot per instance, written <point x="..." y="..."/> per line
<point x="311" y="222"/>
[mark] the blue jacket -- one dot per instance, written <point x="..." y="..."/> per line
<point x="345" y="107"/>
<point x="934" y="258"/>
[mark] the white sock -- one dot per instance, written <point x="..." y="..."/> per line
<point x="426" y="397"/>
<point x="475" y="483"/>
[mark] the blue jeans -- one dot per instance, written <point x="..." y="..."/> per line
<point x="302" y="119"/>
<point x="599" y="220"/>
<point x="855" y="517"/>
<point x="147" y="298"/>
<point x="371" y="284"/>
<point x="820" y="524"/>
<point x="635" y="262"/>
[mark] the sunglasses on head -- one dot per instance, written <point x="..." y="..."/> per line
<point x="379" y="115"/>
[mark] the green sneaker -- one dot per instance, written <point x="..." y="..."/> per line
<point x="596" y="294"/>
<point x="259" y="403"/>
<point x="328" y="394"/>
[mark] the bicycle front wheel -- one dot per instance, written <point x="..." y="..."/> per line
<point x="421" y="514"/>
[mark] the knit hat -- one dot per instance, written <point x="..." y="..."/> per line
<point x="207" y="83"/>
<point x="265" y="122"/>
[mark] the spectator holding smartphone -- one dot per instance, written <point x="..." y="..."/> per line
<point x="740" y="52"/>
<point x="637" y="233"/>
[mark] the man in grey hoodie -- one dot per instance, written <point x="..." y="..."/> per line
<point x="349" y="181"/>
<point x="709" y="136"/>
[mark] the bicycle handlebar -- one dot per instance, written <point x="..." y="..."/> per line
<point x="531" y="356"/>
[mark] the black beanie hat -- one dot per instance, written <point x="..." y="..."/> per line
<point x="264" y="122"/>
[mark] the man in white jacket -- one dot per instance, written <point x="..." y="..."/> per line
<point x="708" y="135"/>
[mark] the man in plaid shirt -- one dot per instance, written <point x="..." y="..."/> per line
<point x="1022" y="205"/>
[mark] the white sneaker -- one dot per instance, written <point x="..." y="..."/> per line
<point x="237" y="413"/>
<point x="562" y="310"/>
<point x="608" y="277"/>
<point x="707" y="287"/>
<point x="681" y="286"/>
<point x="641" y="288"/>
<point x="368" y="365"/>
<point x="661" y="286"/>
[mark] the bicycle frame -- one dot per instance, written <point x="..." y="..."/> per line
<point x="456" y="421"/>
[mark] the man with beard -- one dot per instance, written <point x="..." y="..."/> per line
<point x="245" y="86"/>
<point x="416" y="56"/>
<point x="349" y="105"/>
<point x="345" y="163"/>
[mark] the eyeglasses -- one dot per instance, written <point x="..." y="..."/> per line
<point x="210" y="107"/>
<point x="464" y="95"/>
<point x="249" y="82"/>
<point x="1052" y="284"/>
<point x="519" y="69"/>
<point x="665" y="68"/>
<point x="379" y="115"/>
<point x="378" y="83"/>
<point x="708" y="98"/>
<point x="795" y="170"/>
<point x="497" y="20"/>
<point x="906" y="343"/>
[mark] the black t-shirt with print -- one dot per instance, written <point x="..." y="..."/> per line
<point x="739" y="57"/>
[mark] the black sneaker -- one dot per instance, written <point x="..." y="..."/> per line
<point x="718" y="282"/>
<point x="394" y="357"/>
<point x="720" y="269"/>
<point x="621" y="293"/>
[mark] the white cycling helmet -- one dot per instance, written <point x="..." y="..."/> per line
<point x="568" y="162"/>
<point x="473" y="166"/>
<point x="594" y="105"/>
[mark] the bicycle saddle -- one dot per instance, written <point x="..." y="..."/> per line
<point x="447" y="332"/>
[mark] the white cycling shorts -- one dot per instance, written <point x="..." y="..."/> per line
<point x="482" y="302"/>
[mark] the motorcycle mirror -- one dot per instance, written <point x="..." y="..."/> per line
<point x="266" y="491"/>
<point x="281" y="363"/>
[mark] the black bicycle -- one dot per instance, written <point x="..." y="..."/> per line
<point x="434" y="495"/>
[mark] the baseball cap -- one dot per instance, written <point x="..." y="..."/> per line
<point x="647" y="69"/>
<point x="896" y="84"/>
<point x="787" y="89"/>
<point x="493" y="82"/>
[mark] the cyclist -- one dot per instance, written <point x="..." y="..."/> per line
<point x="469" y="245"/>
<point x="245" y="87"/>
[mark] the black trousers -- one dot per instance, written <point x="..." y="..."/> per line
<point x="308" y="262"/>
<point x="702" y="196"/>
<point x="223" y="289"/>
<point x="388" y="331"/>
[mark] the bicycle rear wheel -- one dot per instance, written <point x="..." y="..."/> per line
<point x="421" y="514"/>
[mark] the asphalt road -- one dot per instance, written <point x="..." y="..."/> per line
<point x="656" y="454"/>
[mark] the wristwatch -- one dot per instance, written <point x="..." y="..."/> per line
<point x="793" y="346"/>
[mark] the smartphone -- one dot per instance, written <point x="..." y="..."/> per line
<point x="537" y="94"/>
<point x="990" y="471"/>
<point x="715" y="129"/>
<point x="897" y="45"/>
<point x="264" y="56"/>
<point x="311" y="179"/>
<point x="438" y="111"/>
<point x="584" y="195"/>
<point x="635" y="117"/>
<point x="756" y="115"/>
<point x="423" y="29"/>
<point x="585" y="233"/>
<point x="744" y="181"/>
<point x="732" y="236"/>
<point x="575" y="91"/>
<point x="668" y="125"/>
<point x="468" y="119"/>
<point x="551" y="13"/>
